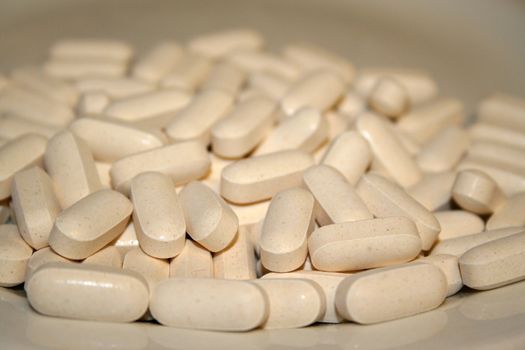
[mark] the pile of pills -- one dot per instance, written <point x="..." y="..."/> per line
<point x="214" y="185"/>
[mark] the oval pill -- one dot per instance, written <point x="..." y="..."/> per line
<point x="511" y="213"/>
<point x="96" y="49"/>
<point x="389" y="97"/>
<point x="448" y="264"/>
<point x="13" y="126"/>
<point x="78" y="68"/>
<point x="116" y="88"/>
<point x="221" y="43"/>
<point x="108" y="256"/>
<point x="224" y="77"/>
<point x="487" y="132"/>
<point x="457" y="223"/>
<point x="503" y="110"/>
<point x="157" y="62"/>
<point x="154" y="270"/>
<point x="194" y="261"/>
<point x="434" y="191"/>
<point x="189" y="72"/>
<point x="444" y="150"/>
<point x="14" y="256"/>
<point x="477" y="192"/>
<point x="42" y="257"/>
<point x="237" y="261"/>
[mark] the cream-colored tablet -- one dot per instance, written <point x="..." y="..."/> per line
<point x="87" y="292"/>
<point x="391" y="292"/>
<point x="306" y="130"/>
<point x="512" y="213"/>
<point x="457" y="223"/>
<point x="194" y="122"/>
<point x="497" y="153"/>
<point x="444" y="150"/>
<point x="494" y="264"/>
<point x="194" y="261"/>
<point x="157" y="215"/>
<point x="90" y="224"/>
<point x="364" y="244"/>
<point x="269" y="84"/>
<point x="14" y="256"/>
<point x="108" y="256"/>
<point x="320" y="89"/>
<point x="434" y="191"/>
<point x="92" y="103"/>
<point x="219" y="44"/>
<point x="250" y="214"/>
<point x="448" y="264"/>
<point x="41" y="257"/>
<point x="189" y="72"/>
<point x="12" y="127"/>
<point x="73" y="68"/>
<point x="352" y="105"/>
<point x="487" y="132"/>
<point x="127" y="240"/>
<point x="389" y="97"/>
<point x="258" y="178"/>
<point x="153" y="270"/>
<point x="113" y="87"/>
<point x="285" y="231"/>
<point x="237" y="261"/>
<point x="183" y="162"/>
<point x="225" y="77"/>
<point x="259" y="61"/>
<point x="18" y="154"/>
<point x="205" y="303"/>
<point x="336" y="199"/>
<point x="387" y="149"/>
<point x="477" y="192"/>
<point x="503" y="110"/>
<point x="96" y="49"/>
<point x="292" y="303"/>
<point x="103" y="173"/>
<point x="35" y="205"/>
<point x="244" y="128"/>
<point x="156" y="63"/>
<point x="337" y="124"/>
<point x="384" y="198"/>
<point x="70" y="165"/>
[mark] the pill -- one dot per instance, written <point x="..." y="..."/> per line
<point x="477" y="192"/>
<point x="14" y="256"/>
<point x="269" y="84"/>
<point x="12" y="127"/>
<point x="387" y="149"/>
<point x="320" y="89"/>
<point x="434" y="191"/>
<point x="153" y="270"/>
<point x="226" y="77"/>
<point x="103" y="173"/>
<point x="70" y="165"/>
<point x="90" y="224"/>
<point x="194" y="122"/>
<point x="448" y="264"/>
<point x="205" y="303"/>
<point x="511" y="213"/>
<point x="96" y="49"/>
<point x="488" y="132"/>
<point x="258" y="178"/>
<point x="41" y="257"/>
<point x="444" y="150"/>
<point x="352" y="105"/>
<point x="113" y="87"/>
<point x="35" y="205"/>
<point x="364" y="244"/>
<point x="389" y="97"/>
<point x="213" y="178"/>
<point x="183" y="162"/>
<point x="503" y="110"/>
<point x="189" y="72"/>
<point x="496" y="153"/>
<point x="256" y="61"/>
<point x="194" y="262"/>
<point x="108" y="256"/>
<point x="494" y="264"/>
<point x="61" y="290"/>
<point x="237" y="261"/>
<point x="457" y="223"/>
<point x="384" y="198"/>
<point x="413" y="288"/>
<point x="76" y="68"/>
<point x="408" y="143"/>
<point x="92" y="103"/>
<point x="239" y="132"/>
<point x="250" y="214"/>
<point x="292" y="303"/>
<point x="337" y="124"/>
<point x="336" y="199"/>
<point x="306" y="130"/>
<point x="127" y="240"/>
<point x="156" y="63"/>
<point x="285" y="231"/>
<point x="220" y="44"/>
<point x="18" y="154"/>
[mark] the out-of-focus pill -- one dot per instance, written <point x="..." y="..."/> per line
<point x="18" y="154"/>
<point x="337" y="201"/>
<point x="193" y="303"/>
<point x="189" y="72"/>
<point x="209" y="220"/>
<point x="73" y="68"/>
<point x="237" y="261"/>
<point x="127" y="240"/>
<point x="488" y="132"/>
<point x="389" y="97"/>
<point x="257" y="61"/>
<point x="496" y="153"/>
<point x="494" y="264"/>
<point x="293" y="303"/>
<point x="226" y="77"/>
<point x="108" y="256"/>
<point x="92" y="103"/>
<point x="183" y="162"/>
<point x="14" y="256"/>
<point x="153" y="270"/>
<point x="477" y="192"/>
<point x="258" y="178"/>
<point x="219" y="44"/>
<point x="114" y="295"/>
<point x="413" y="288"/>
<point x="284" y="236"/>
<point x="503" y="110"/>
<point x="113" y="87"/>
<point x="511" y="213"/>
<point x="352" y="105"/>
<point x="444" y="150"/>
<point x="155" y="64"/>
<point x="337" y="124"/>
<point x="457" y="223"/>
<point x="90" y="224"/>
<point x="157" y="215"/>
<point x="41" y="257"/>
<point x="194" y="261"/>
<point x="364" y="244"/>
<point x="70" y="165"/>
<point x="448" y="264"/>
<point x="96" y="49"/>
<point x="384" y="198"/>
<point x="35" y="205"/>
<point x="12" y="127"/>
<point x="434" y="191"/>
<point x="103" y="173"/>
<point x="269" y="84"/>
<point x="388" y="150"/>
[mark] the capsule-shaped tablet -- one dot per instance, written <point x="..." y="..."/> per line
<point x="157" y="62"/>
<point x="157" y="215"/>
<point x="224" y="77"/>
<point x="96" y="49"/>
<point x="210" y="221"/>
<point x="90" y="224"/>
<point x="412" y="288"/>
<point x="448" y="264"/>
<point x="113" y="87"/>
<point x="62" y="290"/>
<point x="18" y="154"/>
<point x="43" y="256"/>
<point x="70" y="165"/>
<point x="35" y="205"/>
<point x="364" y="244"/>
<point x="183" y="162"/>
<point x="12" y="127"/>
<point x="78" y="68"/>
<point x="458" y="223"/>
<point x="194" y="262"/>
<point x="488" y="132"/>
<point x="153" y="270"/>
<point x="268" y="84"/>
<point x="258" y="178"/>
<point x="257" y="61"/>
<point x="496" y="153"/>
<point x="388" y="150"/>
<point x="14" y="256"/>
<point x="189" y="72"/>
<point x="503" y="110"/>
<point x="127" y="240"/>
<point x="444" y="150"/>
<point x="92" y="103"/>
<point x="250" y="214"/>
<point x="511" y="213"/>
<point x="336" y="200"/>
<point x="434" y="191"/>
<point x="352" y="105"/>
<point x="389" y="97"/>
<point x="237" y="261"/>
<point x="108" y="256"/>
<point x="219" y="44"/>
<point x="494" y="264"/>
<point x="285" y="231"/>
<point x="384" y="198"/>
<point x="477" y="192"/>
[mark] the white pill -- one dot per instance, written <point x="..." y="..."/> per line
<point x="285" y="231"/>
<point x="18" y="154"/>
<point x="205" y="303"/>
<point x="226" y="77"/>
<point x="412" y="288"/>
<point x="384" y="198"/>
<point x="352" y="105"/>
<point x="488" y="132"/>
<point x="219" y="44"/>
<point x="477" y="192"/>
<point x="90" y="224"/>
<point x="258" y="178"/>
<point x="511" y="213"/>
<point x="494" y="264"/>
<point x="157" y="215"/>
<point x="434" y="191"/>
<point x="62" y="290"/>
<point x="108" y="256"/>
<point x="497" y="153"/>
<point x="337" y="124"/>
<point x="156" y="63"/>
<point x="103" y="173"/>
<point x="113" y="87"/>
<point x="269" y="84"/>
<point x="457" y="223"/>
<point x="503" y="110"/>
<point x="237" y="261"/>
<point x="77" y="68"/>
<point x="189" y="72"/>
<point x="256" y="61"/>
<point x="444" y="150"/>
<point x="97" y="49"/>
<point x="389" y="97"/>
<point x="194" y="262"/>
<point x="92" y="103"/>
<point x="41" y="257"/>
<point x="14" y="256"/>
<point x="153" y="270"/>
<point x="12" y="127"/>
<point x="250" y="214"/>
<point x="448" y="264"/>
<point x="127" y="240"/>
<point x="70" y="165"/>
<point x="35" y="205"/>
